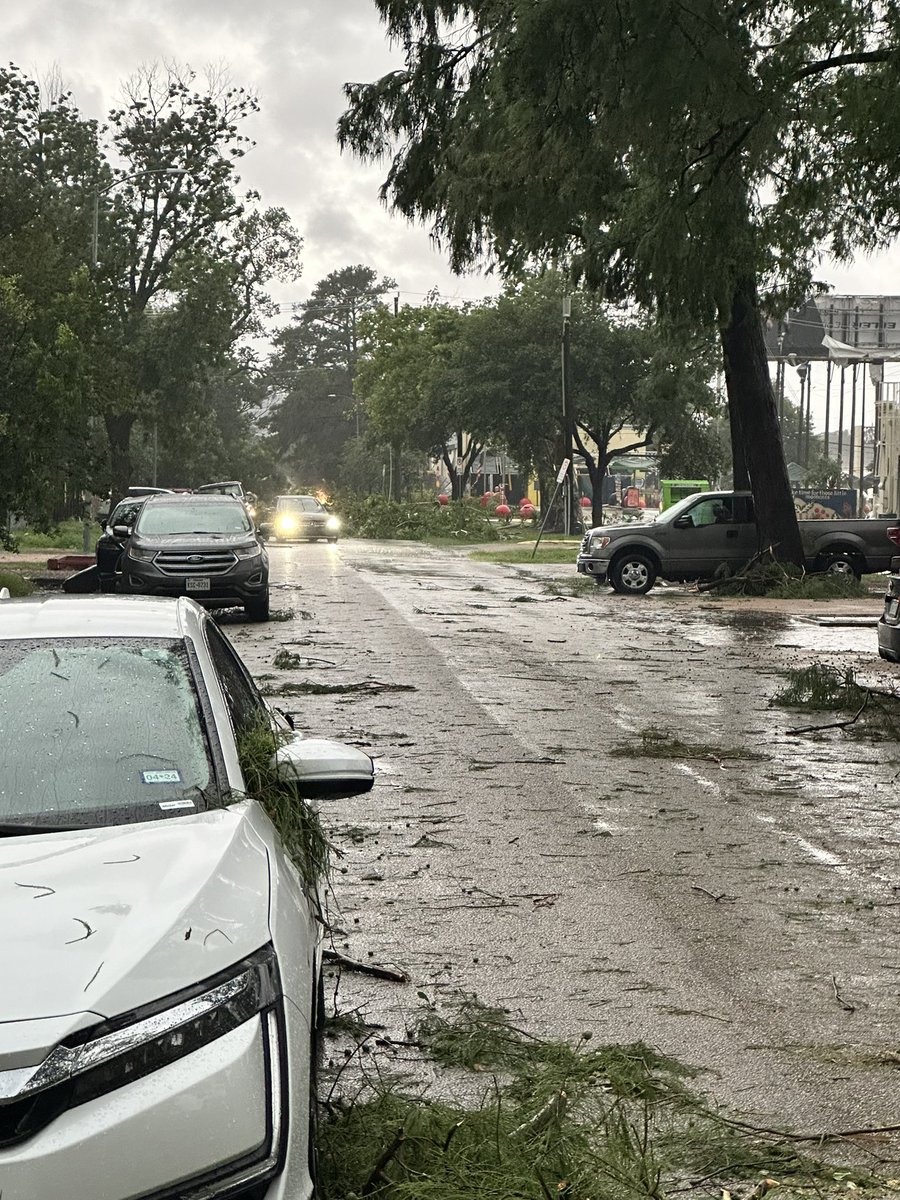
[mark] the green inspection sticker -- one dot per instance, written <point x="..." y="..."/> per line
<point x="161" y="776"/>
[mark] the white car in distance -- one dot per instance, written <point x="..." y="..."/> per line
<point x="160" y="950"/>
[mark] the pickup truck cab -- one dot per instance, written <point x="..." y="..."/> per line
<point x="701" y="533"/>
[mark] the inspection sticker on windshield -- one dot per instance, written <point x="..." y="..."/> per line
<point x="161" y="776"/>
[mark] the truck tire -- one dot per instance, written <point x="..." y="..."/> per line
<point x="841" y="562"/>
<point x="632" y="574"/>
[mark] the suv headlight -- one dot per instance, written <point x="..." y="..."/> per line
<point x="141" y="555"/>
<point x="253" y="551"/>
<point x="119" y="1051"/>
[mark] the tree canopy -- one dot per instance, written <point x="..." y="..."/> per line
<point x="683" y="155"/>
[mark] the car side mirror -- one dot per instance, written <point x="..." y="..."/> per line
<point x="121" y="531"/>
<point x="317" y="768"/>
<point x="686" y="522"/>
<point x="102" y="518"/>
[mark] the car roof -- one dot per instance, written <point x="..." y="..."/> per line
<point x="297" y="496"/>
<point x="100" y="616"/>
<point x="193" y="498"/>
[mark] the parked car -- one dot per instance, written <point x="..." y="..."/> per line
<point x="201" y="546"/>
<point x="160" y="950"/>
<point x="700" y="533"/>
<point x="889" y="625"/>
<point x="298" y="518"/>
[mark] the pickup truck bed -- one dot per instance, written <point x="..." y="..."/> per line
<point x="694" y="538"/>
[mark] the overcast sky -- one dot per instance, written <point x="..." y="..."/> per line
<point x="295" y="55"/>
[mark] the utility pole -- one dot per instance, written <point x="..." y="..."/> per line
<point x="568" y="420"/>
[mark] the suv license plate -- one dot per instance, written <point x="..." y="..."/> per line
<point x="197" y="583"/>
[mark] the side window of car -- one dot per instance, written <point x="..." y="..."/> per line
<point x="245" y="704"/>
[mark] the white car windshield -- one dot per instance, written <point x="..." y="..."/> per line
<point x="172" y="519"/>
<point x="97" y="732"/>
<point x="307" y="504"/>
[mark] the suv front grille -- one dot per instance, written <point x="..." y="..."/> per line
<point x="183" y="562"/>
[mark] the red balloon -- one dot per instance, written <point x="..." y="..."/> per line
<point x="443" y="498"/>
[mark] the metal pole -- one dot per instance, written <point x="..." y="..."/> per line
<point x="827" y="444"/>
<point x="808" y="414"/>
<point x="568" y="421"/>
<point x="862" y="445"/>
<point x="801" y="371"/>
<point x="853" y="426"/>
<point x="840" y="445"/>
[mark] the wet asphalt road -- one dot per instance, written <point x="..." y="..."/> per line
<point x="743" y="916"/>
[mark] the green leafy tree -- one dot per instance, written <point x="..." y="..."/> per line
<point x="312" y="372"/>
<point x="410" y="401"/>
<point x="685" y="155"/>
<point x="46" y="153"/>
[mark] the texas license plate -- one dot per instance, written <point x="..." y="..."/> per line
<point x="197" y="583"/>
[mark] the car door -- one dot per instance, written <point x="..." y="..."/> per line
<point x="109" y="547"/>
<point x="714" y="530"/>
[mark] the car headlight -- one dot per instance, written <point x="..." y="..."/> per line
<point x="332" y="524"/>
<point x="141" y="555"/>
<point x="253" y="551"/>
<point x="122" y="1050"/>
<point x="599" y="543"/>
<point x="286" y="524"/>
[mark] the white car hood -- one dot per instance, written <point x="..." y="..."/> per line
<point x="106" y="920"/>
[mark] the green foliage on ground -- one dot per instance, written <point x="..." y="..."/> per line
<point x="18" y="585"/>
<point x="663" y="743"/>
<point x="418" y="520"/>
<point x="780" y="581"/>
<point x="297" y="821"/>
<point x="541" y="1120"/>
<point x="821" y="687"/>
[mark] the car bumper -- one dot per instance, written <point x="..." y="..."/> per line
<point x="596" y="567"/>
<point x="213" y="1122"/>
<point x="223" y="591"/>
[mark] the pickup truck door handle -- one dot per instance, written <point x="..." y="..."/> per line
<point x="732" y="533"/>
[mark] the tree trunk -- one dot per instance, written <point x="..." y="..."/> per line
<point x="752" y="401"/>
<point x="118" y="432"/>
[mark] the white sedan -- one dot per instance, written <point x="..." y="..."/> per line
<point x="160" y="951"/>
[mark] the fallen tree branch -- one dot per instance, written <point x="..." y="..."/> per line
<point x="840" y="999"/>
<point x="352" y="964"/>
<point x="376" y="1178"/>
<point x="832" y="724"/>
<point x="709" y="585"/>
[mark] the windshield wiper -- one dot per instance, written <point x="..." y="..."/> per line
<point x="14" y="828"/>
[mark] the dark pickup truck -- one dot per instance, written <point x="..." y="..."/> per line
<point x="700" y="534"/>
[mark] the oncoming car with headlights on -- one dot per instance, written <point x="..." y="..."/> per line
<point x="302" y="518"/>
<point x="161" y="950"/>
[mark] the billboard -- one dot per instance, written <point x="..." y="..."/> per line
<point x="823" y="504"/>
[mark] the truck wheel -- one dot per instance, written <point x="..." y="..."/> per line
<point x="632" y="574"/>
<point x="841" y="562"/>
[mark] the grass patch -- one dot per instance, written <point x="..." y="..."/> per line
<point x="522" y="554"/>
<point x="661" y="743"/>
<point x="297" y="822"/>
<point x="68" y="535"/>
<point x="578" y="1121"/>
<point x="18" y="585"/>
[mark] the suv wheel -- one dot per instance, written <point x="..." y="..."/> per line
<point x="632" y="574"/>
<point x="258" y="610"/>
